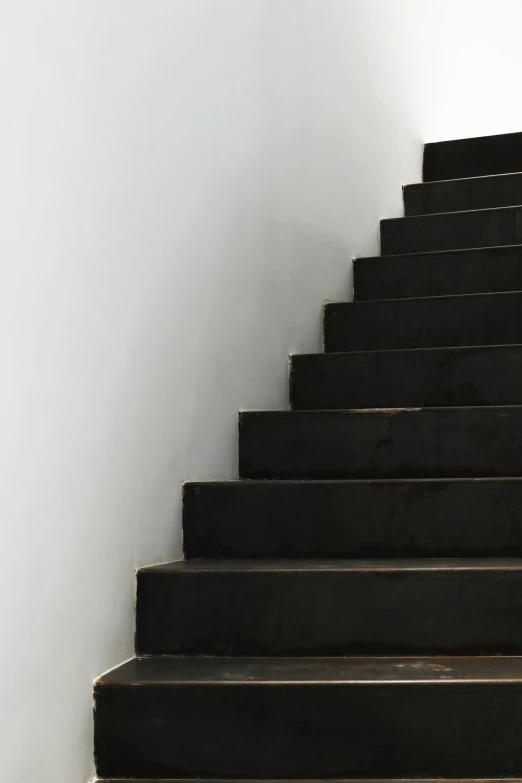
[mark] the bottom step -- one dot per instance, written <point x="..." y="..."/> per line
<point x="311" y="780"/>
<point x="278" y="718"/>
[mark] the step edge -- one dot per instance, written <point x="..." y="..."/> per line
<point x="299" y="683"/>
<point x="434" y="253"/>
<point x="305" y="780"/>
<point x="429" y="349"/>
<point x="450" y="214"/>
<point x="346" y="303"/>
<point x="299" y="482"/>
<point x="384" y="410"/>
<point x="336" y="565"/>
<point x="293" y="663"/>
<point x="462" y="179"/>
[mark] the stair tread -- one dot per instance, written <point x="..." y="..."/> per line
<point x="384" y="410"/>
<point x="416" y="481"/>
<point x="451" y="214"/>
<point x="257" y="670"/>
<point x="341" y="564"/>
<point x="435" y="253"/>
<point x="502" y="175"/>
<point x="483" y="294"/>
<point x="428" y="349"/>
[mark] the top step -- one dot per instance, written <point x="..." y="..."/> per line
<point x="477" y="157"/>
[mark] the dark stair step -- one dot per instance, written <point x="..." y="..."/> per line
<point x="431" y="322"/>
<point x="477" y="157"/>
<point x="290" y="718"/>
<point x="425" y="377"/>
<point x="388" y="443"/>
<point x="452" y="231"/>
<point x="351" y="519"/>
<point x="457" y="195"/>
<point x="330" y="607"/>
<point x="439" y="273"/>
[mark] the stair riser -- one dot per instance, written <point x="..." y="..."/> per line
<point x="445" y="730"/>
<point x="476" y="157"/>
<point x="461" y="195"/>
<point x="430" y="443"/>
<point x="329" y="612"/>
<point x="452" y="231"/>
<point x="494" y="319"/>
<point x="438" y="274"/>
<point x="485" y="376"/>
<point x="353" y="519"/>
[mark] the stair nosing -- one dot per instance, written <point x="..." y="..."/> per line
<point x="389" y="410"/>
<point x="414" y="298"/>
<point x="461" y="179"/>
<point x="277" y="482"/>
<point x="335" y="565"/>
<point x="485" y="248"/>
<point x="393" y="662"/>
<point x="307" y="780"/>
<point x="452" y="214"/>
<point x="430" y="349"/>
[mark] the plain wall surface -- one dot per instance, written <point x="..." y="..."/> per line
<point x="183" y="182"/>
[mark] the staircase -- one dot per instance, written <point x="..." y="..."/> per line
<point x="352" y="608"/>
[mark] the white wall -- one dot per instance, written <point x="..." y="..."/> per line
<point x="182" y="183"/>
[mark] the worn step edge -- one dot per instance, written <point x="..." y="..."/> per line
<point x="464" y="179"/>
<point x="174" y="671"/>
<point x="428" y="349"/>
<point x="434" y="253"/>
<point x="339" y="565"/>
<point x="336" y="302"/>
<point x="450" y="215"/>
<point x="278" y="482"/>
<point x="385" y="411"/>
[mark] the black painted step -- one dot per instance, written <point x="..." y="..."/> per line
<point x="277" y="718"/>
<point x="351" y="519"/>
<point x="330" y="607"/>
<point x="432" y="322"/>
<point x="458" y="195"/>
<point x="501" y="154"/>
<point x="452" y="231"/>
<point x="328" y="780"/>
<point x="211" y="718"/>
<point x="440" y="273"/>
<point x="426" y="377"/>
<point x="394" y="443"/>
